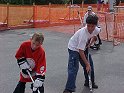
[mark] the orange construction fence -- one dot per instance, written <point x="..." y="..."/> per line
<point x="13" y="16"/>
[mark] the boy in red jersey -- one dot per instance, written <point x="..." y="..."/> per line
<point x="31" y="56"/>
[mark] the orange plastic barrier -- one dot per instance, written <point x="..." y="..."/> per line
<point x="60" y="16"/>
<point x="119" y="26"/>
<point x="3" y="17"/>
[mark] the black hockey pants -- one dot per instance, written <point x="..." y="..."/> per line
<point x="99" y="39"/>
<point x="20" y="88"/>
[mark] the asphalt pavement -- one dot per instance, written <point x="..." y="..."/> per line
<point x="108" y="63"/>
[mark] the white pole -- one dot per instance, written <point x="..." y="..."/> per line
<point x="82" y="4"/>
<point x="111" y="3"/>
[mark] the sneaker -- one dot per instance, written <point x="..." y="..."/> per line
<point x="100" y="43"/>
<point x="86" y="84"/>
<point x="67" y="91"/>
<point x="97" y="45"/>
<point x="93" y="86"/>
<point x="94" y="47"/>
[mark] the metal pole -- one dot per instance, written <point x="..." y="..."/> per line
<point x="82" y="4"/>
<point x="49" y="12"/>
<point x="111" y="3"/>
<point x="34" y="14"/>
<point x="7" y="14"/>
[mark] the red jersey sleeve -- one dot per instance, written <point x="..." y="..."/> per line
<point x="41" y="67"/>
<point x="20" y="52"/>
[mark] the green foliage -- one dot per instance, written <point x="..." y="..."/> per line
<point x="56" y="1"/>
<point x="90" y="1"/>
<point x="122" y="1"/>
<point x="117" y="2"/>
<point x="77" y="1"/>
<point x="41" y="2"/>
<point x="66" y="1"/>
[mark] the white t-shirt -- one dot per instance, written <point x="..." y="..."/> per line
<point x="80" y="38"/>
<point x="86" y="15"/>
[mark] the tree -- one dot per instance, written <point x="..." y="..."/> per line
<point x="117" y="2"/>
<point x="55" y="1"/>
<point x="90" y="1"/>
<point x="122" y="1"/>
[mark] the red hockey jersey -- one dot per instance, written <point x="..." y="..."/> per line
<point x="36" y="59"/>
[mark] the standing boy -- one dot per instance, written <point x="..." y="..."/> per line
<point x="98" y="42"/>
<point x="89" y="12"/>
<point x="77" y="47"/>
<point x="31" y="56"/>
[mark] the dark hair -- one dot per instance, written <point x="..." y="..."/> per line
<point x="92" y="19"/>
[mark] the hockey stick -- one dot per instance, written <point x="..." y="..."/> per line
<point x="90" y="83"/>
<point x="89" y="76"/>
<point x="31" y="78"/>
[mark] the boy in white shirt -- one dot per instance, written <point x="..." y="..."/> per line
<point x="77" y="48"/>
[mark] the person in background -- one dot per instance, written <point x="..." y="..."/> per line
<point x="98" y="42"/>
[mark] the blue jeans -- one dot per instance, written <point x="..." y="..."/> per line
<point x="73" y="66"/>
